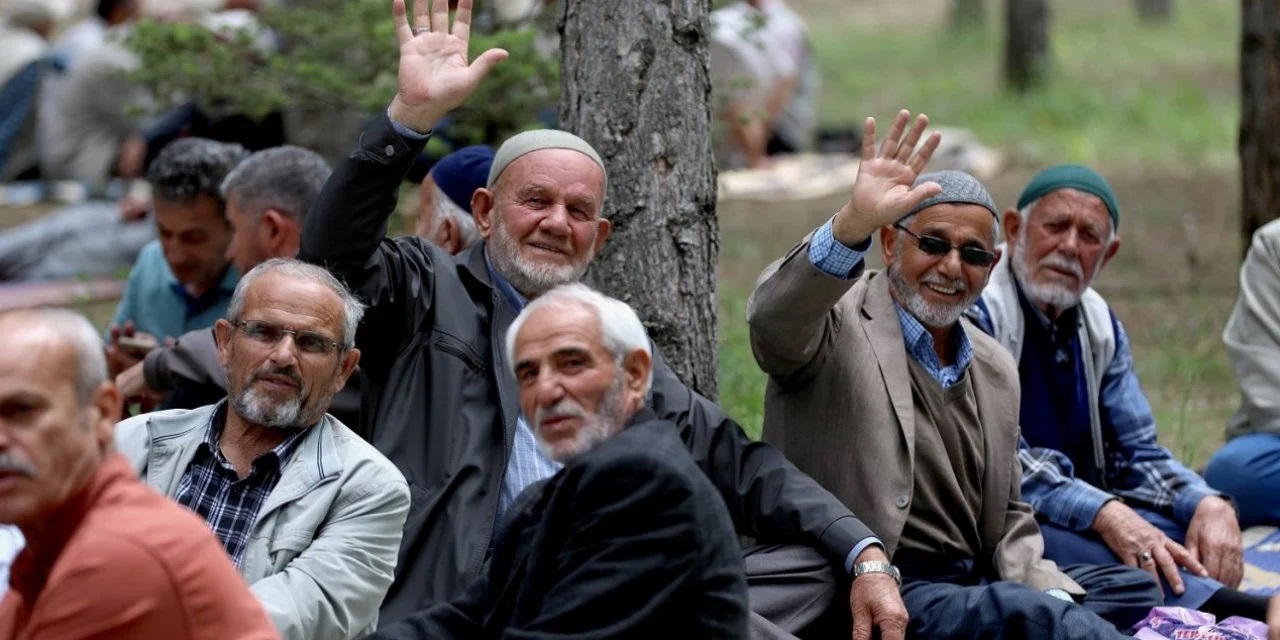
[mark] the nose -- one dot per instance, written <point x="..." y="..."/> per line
<point x="284" y="352"/>
<point x="1070" y="244"/>
<point x="548" y="390"/>
<point x="950" y="265"/>
<point x="556" y="221"/>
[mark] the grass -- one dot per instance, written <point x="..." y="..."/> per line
<point x="1155" y="108"/>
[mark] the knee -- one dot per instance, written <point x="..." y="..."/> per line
<point x="1246" y="459"/>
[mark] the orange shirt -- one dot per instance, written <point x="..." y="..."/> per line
<point x="121" y="561"/>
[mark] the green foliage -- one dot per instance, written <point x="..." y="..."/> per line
<point x="339" y="54"/>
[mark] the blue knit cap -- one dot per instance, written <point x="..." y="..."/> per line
<point x="460" y="173"/>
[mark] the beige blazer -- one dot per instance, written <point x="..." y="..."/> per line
<point x="839" y="405"/>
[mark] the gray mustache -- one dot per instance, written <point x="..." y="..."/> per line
<point x="10" y="464"/>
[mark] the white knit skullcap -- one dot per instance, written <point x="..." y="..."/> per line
<point x="529" y="141"/>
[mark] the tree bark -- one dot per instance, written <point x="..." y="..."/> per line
<point x="635" y="84"/>
<point x="1026" y="47"/>
<point x="968" y="14"/>
<point x="1259" y="115"/>
<point x="1154" y="10"/>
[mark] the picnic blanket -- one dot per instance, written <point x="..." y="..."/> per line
<point x="1261" y="560"/>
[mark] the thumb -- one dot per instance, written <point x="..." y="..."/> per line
<point x="486" y="61"/>
<point x="920" y="193"/>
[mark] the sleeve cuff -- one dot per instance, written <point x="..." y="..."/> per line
<point x="1085" y="506"/>
<point x="1060" y="594"/>
<point x="858" y="549"/>
<point x="154" y="370"/>
<point x="1184" y="507"/>
<point x="832" y="257"/>
<point x="406" y="132"/>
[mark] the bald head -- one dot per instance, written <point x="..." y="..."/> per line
<point x="59" y="413"/>
<point x="60" y="331"/>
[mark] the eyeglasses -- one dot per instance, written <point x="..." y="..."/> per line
<point x="936" y="246"/>
<point x="271" y="334"/>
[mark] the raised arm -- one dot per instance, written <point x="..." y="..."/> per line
<point x="346" y="230"/>
<point x="791" y="310"/>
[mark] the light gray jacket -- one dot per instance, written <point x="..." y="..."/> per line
<point x="1252" y="336"/>
<point x="322" y="551"/>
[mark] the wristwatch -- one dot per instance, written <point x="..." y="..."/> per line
<point x="877" y="566"/>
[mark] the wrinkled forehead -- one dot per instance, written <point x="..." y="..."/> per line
<point x="35" y="358"/>
<point x="1073" y="202"/>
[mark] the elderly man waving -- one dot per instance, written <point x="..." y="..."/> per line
<point x="881" y="391"/>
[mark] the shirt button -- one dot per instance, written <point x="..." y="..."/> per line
<point x="901" y="502"/>
<point x="390" y="150"/>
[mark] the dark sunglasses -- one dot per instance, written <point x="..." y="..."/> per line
<point x="936" y="246"/>
<point x="271" y="334"/>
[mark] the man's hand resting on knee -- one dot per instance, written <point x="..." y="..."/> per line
<point x="1140" y="544"/>
<point x="875" y="601"/>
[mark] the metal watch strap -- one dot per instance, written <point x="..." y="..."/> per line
<point x="877" y="566"/>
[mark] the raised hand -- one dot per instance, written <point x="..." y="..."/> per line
<point x="883" y="191"/>
<point x="435" y="75"/>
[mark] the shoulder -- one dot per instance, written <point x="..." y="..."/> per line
<point x="362" y="462"/>
<point x="647" y="454"/>
<point x="161" y="425"/>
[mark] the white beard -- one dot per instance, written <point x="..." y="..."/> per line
<point x="1050" y="294"/>
<point x="930" y="314"/>
<point x="596" y="428"/>
<point x="528" y="277"/>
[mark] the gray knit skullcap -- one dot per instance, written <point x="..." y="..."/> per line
<point x="537" y="140"/>
<point x="958" y="187"/>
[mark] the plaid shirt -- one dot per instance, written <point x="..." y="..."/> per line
<point x="1137" y="468"/>
<point x="212" y="488"/>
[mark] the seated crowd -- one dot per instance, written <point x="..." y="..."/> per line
<point x="446" y="435"/>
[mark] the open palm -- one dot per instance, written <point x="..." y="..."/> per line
<point x="435" y="75"/>
<point x="883" y="192"/>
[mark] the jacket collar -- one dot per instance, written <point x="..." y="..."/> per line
<point x="174" y="438"/>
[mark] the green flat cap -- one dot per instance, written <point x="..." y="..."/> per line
<point x="1071" y="176"/>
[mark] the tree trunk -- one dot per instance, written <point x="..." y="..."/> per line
<point x="1026" y="46"/>
<point x="968" y="14"/>
<point x="1259" y="115"/>
<point x="1154" y="10"/>
<point x="635" y="84"/>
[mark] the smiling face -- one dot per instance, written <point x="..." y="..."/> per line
<point x="576" y="392"/>
<point x="272" y="381"/>
<point x="936" y="289"/>
<point x="542" y="219"/>
<point x="1061" y="247"/>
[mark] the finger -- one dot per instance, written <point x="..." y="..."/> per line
<point x="439" y="15"/>
<point x="913" y="138"/>
<point x="404" y="32"/>
<point x="920" y="193"/>
<point x="925" y="153"/>
<point x="890" y="146"/>
<point x="869" y="139"/>
<point x="1186" y="558"/>
<point x="421" y="15"/>
<point x="128" y="328"/>
<point x="486" y="61"/>
<point x="862" y="626"/>
<point x="1168" y="567"/>
<point x="894" y="629"/>
<point x="462" y="20"/>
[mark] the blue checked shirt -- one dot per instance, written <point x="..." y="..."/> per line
<point x="212" y="488"/>
<point x="1137" y="468"/>
<point x="527" y="463"/>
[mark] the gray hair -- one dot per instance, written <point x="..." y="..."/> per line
<point x="189" y="167"/>
<point x="1025" y="214"/>
<point x="73" y="328"/>
<point x="352" y="308"/>
<point x="447" y="209"/>
<point x="287" y="179"/>
<point x="621" y="331"/>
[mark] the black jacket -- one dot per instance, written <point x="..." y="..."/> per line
<point x="629" y="540"/>
<point x="440" y="400"/>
